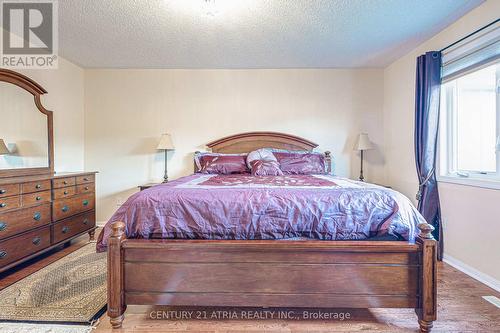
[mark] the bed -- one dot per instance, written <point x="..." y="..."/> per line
<point x="266" y="245"/>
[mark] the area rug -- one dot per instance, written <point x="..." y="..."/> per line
<point x="71" y="290"/>
<point x="43" y="328"/>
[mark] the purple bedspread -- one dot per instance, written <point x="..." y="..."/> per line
<point x="270" y="207"/>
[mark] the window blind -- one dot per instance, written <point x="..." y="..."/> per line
<point x="475" y="51"/>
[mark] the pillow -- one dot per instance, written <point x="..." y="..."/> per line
<point x="262" y="154"/>
<point x="301" y="163"/>
<point x="221" y="163"/>
<point x="266" y="168"/>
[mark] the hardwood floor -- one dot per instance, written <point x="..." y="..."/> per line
<point x="460" y="309"/>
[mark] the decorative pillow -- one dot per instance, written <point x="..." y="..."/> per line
<point x="301" y="163"/>
<point x="221" y="163"/>
<point x="263" y="154"/>
<point x="266" y="168"/>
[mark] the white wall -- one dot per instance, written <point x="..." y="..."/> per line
<point x="471" y="215"/>
<point x="65" y="98"/>
<point x="127" y="110"/>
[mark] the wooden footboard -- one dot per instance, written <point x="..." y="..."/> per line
<point x="337" y="274"/>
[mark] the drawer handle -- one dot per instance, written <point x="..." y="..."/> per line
<point x="86" y="179"/>
<point x="65" y="182"/>
<point x="3" y="204"/>
<point x="37" y="216"/>
<point x="2" y="191"/>
<point x="86" y="188"/>
<point x="3" y="226"/>
<point x="65" y="230"/>
<point x="38" y="186"/>
<point x="65" y="192"/>
<point x="36" y="241"/>
<point x="85" y="222"/>
<point x="38" y="198"/>
<point x="65" y="209"/>
<point x="85" y="202"/>
<point x="3" y="254"/>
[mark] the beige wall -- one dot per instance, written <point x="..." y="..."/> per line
<point x="127" y="110"/>
<point x="65" y="98"/>
<point x="471" y="215"/>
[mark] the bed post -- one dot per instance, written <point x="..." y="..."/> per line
<point x="427" y="303"/>
<point x="116" y="304"/>
<point x="328" y="161"/>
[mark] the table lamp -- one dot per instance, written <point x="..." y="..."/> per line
<point x="165" y="145"/>
<point x="3" y="148"/>
<point x="363" y="143"/>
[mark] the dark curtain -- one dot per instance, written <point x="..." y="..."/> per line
<point x="427" y="96"/>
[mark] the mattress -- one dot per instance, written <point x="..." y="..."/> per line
<point x="245" y="207"/>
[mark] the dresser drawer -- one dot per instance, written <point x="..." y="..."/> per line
<point x="64" y="208"/>
<point x="15" y="222"/>
<point x="72" y="226"/>
<point x="23" y="245"/>
<point x="63" y="182"/>
<point x="85" y="188"/>
<point x="39" y="186"/>
<point x="85" y="179"/>
<point x="9" y="190"/>
<point x="36" y="198"/>
<point x="10" y="203"/>
<point x="64" y="192"/>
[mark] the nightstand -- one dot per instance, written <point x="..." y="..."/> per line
<point x="146" y="186"/>
<point x="386" y="186"/>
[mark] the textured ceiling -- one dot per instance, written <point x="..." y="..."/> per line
<point x="248" y="33"/>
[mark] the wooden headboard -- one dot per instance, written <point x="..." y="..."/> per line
<point x="250" y="141"/>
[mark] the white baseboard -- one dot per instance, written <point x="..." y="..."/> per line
<point x="472" y="272"/>
<point x="100" y="224"/>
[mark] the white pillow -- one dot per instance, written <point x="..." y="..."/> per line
<point x="263" y="154"/>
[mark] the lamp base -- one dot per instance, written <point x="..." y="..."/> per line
<point x="361" y="177"/>
<point x="165" y="174"/>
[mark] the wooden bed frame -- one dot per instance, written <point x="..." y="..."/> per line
<point x="270" y="273"/>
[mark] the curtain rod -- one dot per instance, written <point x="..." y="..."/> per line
<point x="469" y="35"/>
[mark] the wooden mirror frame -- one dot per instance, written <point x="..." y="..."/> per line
<point x="36" y="90"/>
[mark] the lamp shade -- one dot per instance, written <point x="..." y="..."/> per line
<point x="165" y="142"/>
<point x="3" y="148"/>
<point x="363" y="142"/>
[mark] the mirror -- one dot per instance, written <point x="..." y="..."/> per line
<point x="25" y="127"/>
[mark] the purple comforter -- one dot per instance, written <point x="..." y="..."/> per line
<point x="270" y="207"/>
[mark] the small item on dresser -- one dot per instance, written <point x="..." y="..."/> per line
<point x="3" y="148"/>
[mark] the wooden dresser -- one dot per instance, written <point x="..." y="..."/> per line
<point x="38" y="213"/>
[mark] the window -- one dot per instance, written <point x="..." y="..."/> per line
<point x="470" y="125"/>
